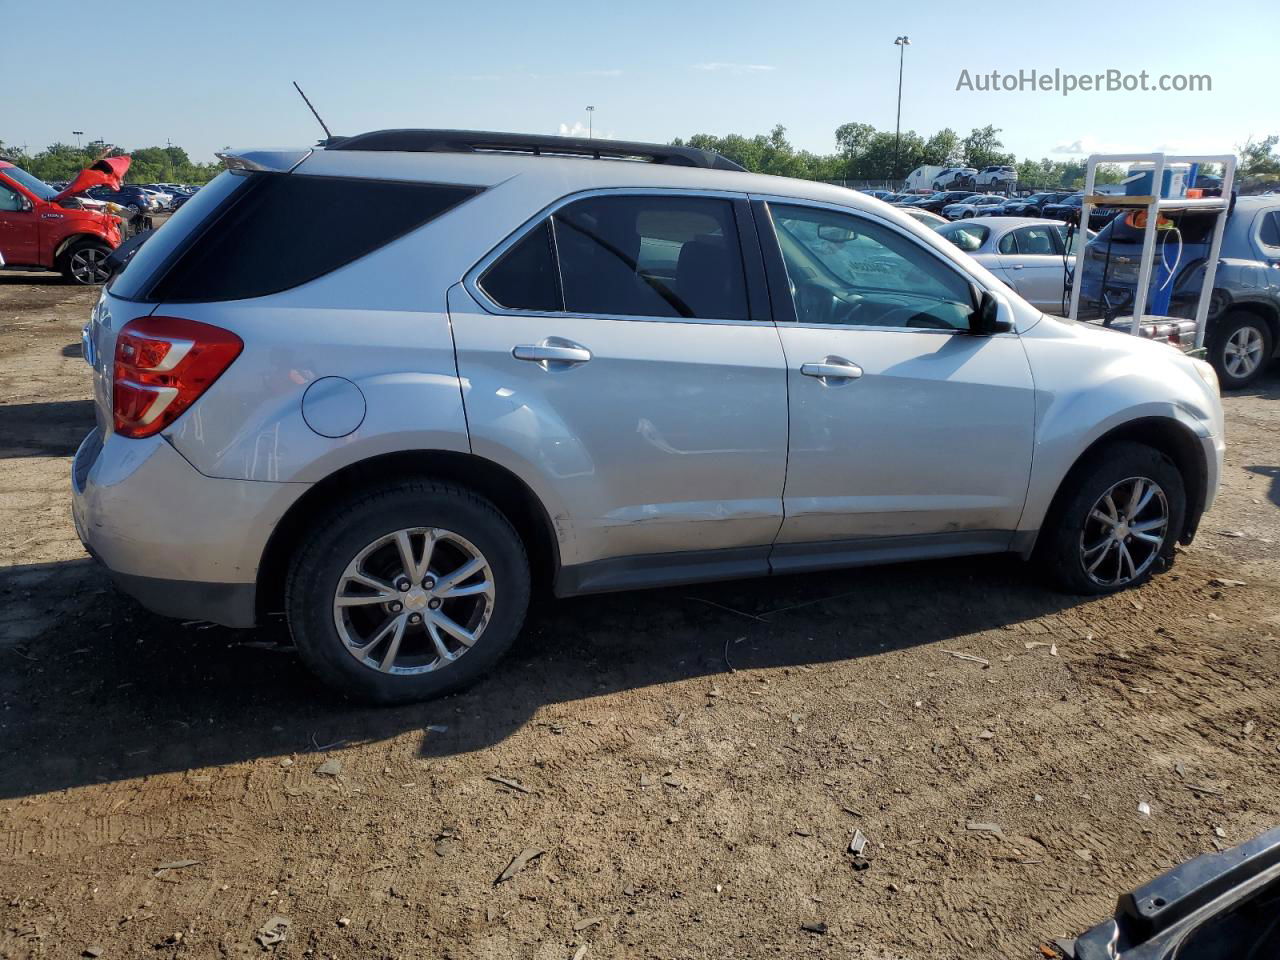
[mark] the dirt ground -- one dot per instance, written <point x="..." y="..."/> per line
<point x="691" y="763"/>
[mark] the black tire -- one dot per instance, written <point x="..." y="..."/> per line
<point x="1229" y="329"/>
<point x="83" y="262"/>
<point x="343" y="531"/>
<point x="1060" y="549"/>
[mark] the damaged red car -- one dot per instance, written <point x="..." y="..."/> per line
<point x="42" y="228"/>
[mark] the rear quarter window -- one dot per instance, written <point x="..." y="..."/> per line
<point x="270" y="232"/>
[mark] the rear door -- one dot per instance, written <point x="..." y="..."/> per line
<point x="618" y="355"/>
<point x="903" y="425"/>
<point x="1031" y="258"/>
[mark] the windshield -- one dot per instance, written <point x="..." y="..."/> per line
<point x="33" y="184"/>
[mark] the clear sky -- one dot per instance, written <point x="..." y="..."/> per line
<point x="217" y="73"/>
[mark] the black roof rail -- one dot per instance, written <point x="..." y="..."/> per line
<point x="484" y="141"/>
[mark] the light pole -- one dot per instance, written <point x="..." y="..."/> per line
<point x="591" y="112"/>
<point x="902" y="43"/>
<point x="77" y="134"/>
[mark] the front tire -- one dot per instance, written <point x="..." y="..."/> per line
<point x="1240" y="348"/>
<point x="1116" y="523"/>
<point x="85" y="263"/>
<point x="407" y="592"/>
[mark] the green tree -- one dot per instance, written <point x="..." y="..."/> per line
<point x="983" y="147"/>
<point x="1258" y="158"/>
<point x="942" y="149"/>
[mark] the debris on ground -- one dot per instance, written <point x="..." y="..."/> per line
<point x="967" y="656"/>
<point x="589" y="922"/>
<point x="814" y="926"/>
<point x="174" y="865"/>
<point x="580" y="952"/>
<point x="273" y="932"/>
<point x="512" y="784"/>
<point x="519" y="862"/>
<point x="1144" y="808"/>
<point x="1226" y="582"/>
<point x="858" y="843"/>
<point x="330" y="768"/>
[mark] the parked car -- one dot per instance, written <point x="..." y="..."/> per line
<point x="942" y="198"/>
<point x="972" y="206"/>
<point x="38" y="233"/>
<point x="953" y="177"/>
<point x="1033" y="206"/>
<point x="1031" y="255"/>
<point x="925" y="217"/>
<point x="1069" y="209"/>
<point x="998" y="173"/>
<point x="134" y="199"/>
<point x="878" y="194"/>
<point x="1242" y="331"/>
<point x="512" y="367"/>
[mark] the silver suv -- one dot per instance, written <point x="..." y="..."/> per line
<point x="391" y="385"/>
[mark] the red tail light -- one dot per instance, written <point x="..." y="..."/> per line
<point x="163" y="364"/>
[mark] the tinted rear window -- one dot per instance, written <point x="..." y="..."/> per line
<point x="271" y="232"/>
<point x="151" y="255"/>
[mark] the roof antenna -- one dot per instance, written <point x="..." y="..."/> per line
<point x="327" y="134"/>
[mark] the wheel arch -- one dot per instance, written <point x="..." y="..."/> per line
<point x="71" y="240"/>
<point x="511" y="495"/>
<point x="1168" y="436"/>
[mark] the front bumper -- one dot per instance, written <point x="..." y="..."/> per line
<point x="185" y="545"/>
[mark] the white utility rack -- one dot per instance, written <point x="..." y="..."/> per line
<point x="1155" y="205"/>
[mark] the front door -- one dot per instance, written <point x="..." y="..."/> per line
<point x="19" y="228"/>
<point x="618" y="357"/>
<point x="903" y="424"/>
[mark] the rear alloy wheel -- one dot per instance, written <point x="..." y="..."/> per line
<point x="1116" y="521"/>
<point x="407" y="592"/>
<point x="1241" y="347"/>
<point x="86" y="264"/>
<point x="414" y="601"/>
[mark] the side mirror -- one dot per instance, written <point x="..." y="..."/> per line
<point x="24" y="204"/>
<point x="985" y="319"/>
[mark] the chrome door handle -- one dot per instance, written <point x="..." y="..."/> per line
<point x="1017" y="266"/>
<point x="832" y="368"/>
<point x="553" y="350"/>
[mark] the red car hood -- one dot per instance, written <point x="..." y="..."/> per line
<point x="109" y="171"/>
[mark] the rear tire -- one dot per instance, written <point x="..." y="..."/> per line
<point x="1240" y="349"/>
<point x="84" y="263"/>
<point x="1094" y="541"/>
<point x="354" y="559"/>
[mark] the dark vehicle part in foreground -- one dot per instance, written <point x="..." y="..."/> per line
<point x="1219" y="906"/>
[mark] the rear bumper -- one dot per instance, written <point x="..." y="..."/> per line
<point x="185" y="545"/>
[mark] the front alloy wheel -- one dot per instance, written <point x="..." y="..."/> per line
<point x="1124" y="532"/>
<point x="414" y="601"/>
<point x="88" y="265"/>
